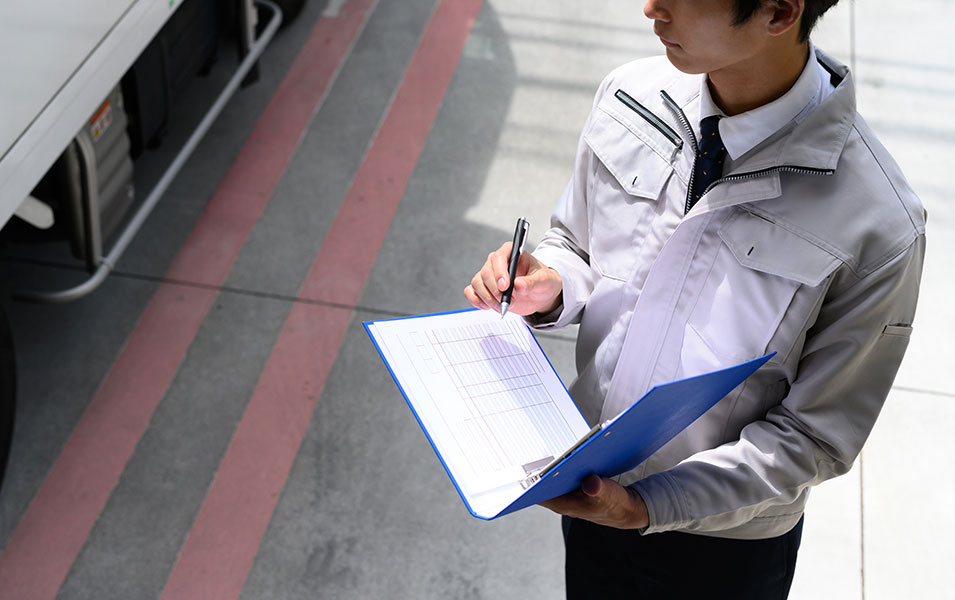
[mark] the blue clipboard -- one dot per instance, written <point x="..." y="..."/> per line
<point x="610" y="448"/>
<point x="635" y="434"/>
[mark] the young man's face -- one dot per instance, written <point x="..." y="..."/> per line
<point x="700" y="36"/>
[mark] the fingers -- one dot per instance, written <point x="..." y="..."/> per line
<point x="537" y="288"/>
<point x="499" y="266"/>
<point x="569" y="504"/>
<point x="602" y="501"/>
<point x="474" y="299"/>
<point x="593" y="496"/>
<point x="580" y="502"/>
<point x="491" y="281"/>
<point x="494" y="273"/>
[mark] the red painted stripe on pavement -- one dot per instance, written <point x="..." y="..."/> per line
<point x="222" y="545"/>
<point x="51" y="533"/>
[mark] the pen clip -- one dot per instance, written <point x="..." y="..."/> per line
<point x="520" y="236"/>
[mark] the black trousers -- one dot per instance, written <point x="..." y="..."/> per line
<point x="603" y="562"/>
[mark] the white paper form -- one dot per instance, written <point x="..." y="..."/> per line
<point x="484" y="391"/>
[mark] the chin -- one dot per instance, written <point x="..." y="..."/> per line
<point x="680" y="61"/>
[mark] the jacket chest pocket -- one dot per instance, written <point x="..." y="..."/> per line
<point x="627" y="183"/>
<point x="763" y="283"/>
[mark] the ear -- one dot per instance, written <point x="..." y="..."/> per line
<point x="786" y="15"/>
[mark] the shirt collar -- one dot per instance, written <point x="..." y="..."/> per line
<point x="741" y="133"/>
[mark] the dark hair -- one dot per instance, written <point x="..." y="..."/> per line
<point x="811" y="12"/>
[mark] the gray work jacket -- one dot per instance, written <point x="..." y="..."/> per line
<point x="811" y="247"/>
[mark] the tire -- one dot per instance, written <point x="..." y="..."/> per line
<point x="8" y="391"/>
<point x="290" y="10"/>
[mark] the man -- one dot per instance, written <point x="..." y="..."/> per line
<point x="726" y="202"/>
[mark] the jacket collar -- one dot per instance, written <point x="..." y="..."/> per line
<point x="818" y="141"/>
<point x="743" y="132"/>
<point x="815" y="143"/>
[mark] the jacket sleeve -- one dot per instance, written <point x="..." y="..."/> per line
<point x="850" y="359"/>
<point x="565" y="247"/>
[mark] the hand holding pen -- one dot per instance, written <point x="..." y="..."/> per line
<point x="533" y="287"/>
<point x="517" y="248"/>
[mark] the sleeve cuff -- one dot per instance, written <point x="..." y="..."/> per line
<point x="573" y="295"/>
<point x="666" y="503"/>
<point x="550" y="320"/>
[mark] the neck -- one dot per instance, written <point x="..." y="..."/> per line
<point x="759" y="80"/>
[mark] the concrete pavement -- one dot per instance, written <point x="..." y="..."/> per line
<point x="366" y="510"/>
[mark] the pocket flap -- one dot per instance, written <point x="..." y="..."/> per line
<point x="639" y="169"/>
<point x="899" y="329"/>
<point x="764" y="246"/>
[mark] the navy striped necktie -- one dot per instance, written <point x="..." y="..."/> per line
<point x="709" y="160"/>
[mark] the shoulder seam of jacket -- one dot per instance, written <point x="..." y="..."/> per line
<point x="885" y="175"/>
<point x="877" y="265"/>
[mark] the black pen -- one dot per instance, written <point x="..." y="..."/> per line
<point x="520" y="236"/>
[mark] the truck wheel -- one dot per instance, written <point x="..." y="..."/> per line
<point x="8" y="391"/>
<point x="290" y="10"/>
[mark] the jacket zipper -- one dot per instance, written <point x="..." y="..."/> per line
<point x="651" y="118"/>
<point x="678" y="113"/>
<point x="681" y="117"/>
<point x="769" y="171"/>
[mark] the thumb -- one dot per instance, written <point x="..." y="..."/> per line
<point x="531" y="277"/>
<point x="592" y="485"/>
<point x="521" y="284"/>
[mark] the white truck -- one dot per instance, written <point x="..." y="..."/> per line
<point x="86" y="89"/>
